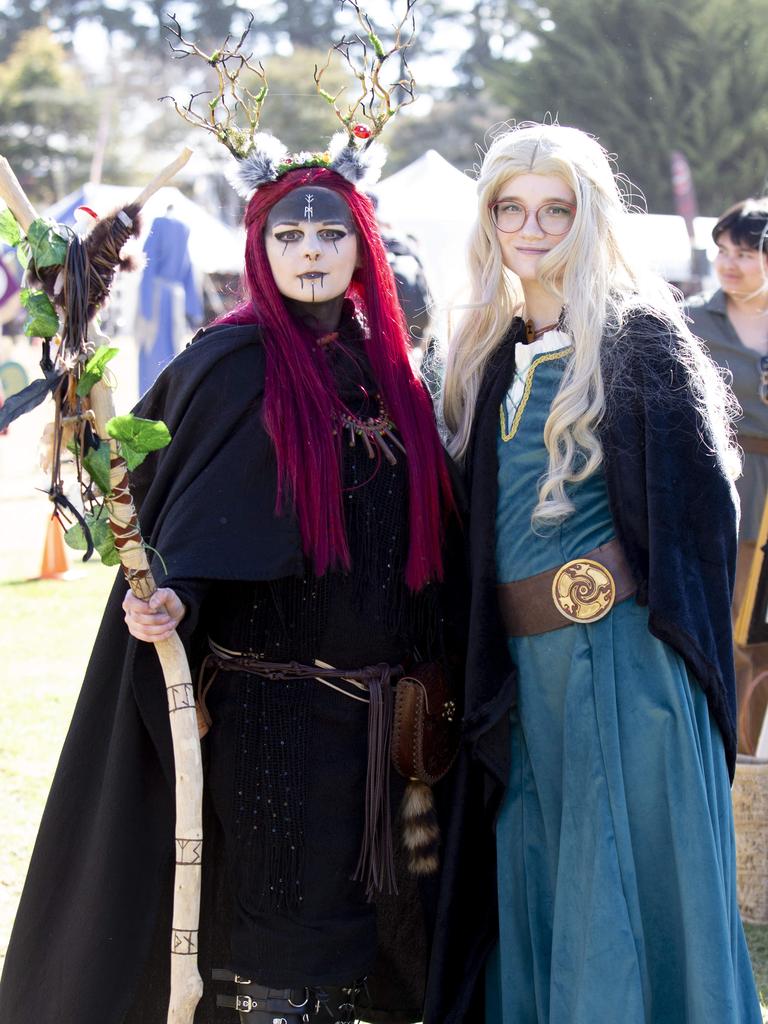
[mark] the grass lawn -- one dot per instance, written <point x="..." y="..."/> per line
<point x="47" y="629"/>
<point x="46" y="632"/>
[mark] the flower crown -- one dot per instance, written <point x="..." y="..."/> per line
<point x="233" y="115"/>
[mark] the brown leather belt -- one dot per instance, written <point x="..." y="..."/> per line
<point x="583" y="590"/>
<point x="754" y="445"/>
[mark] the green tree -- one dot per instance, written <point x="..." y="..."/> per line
<point x="456" y="127"/>
<point x="303" y="22"/>
<point x="48" y="119"/>
<point x="652" y="76"/>
<point x="16" y="18"/>
<point x="294" y="111"/>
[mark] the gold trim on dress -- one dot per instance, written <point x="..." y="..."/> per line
<point x="545" y="357"/>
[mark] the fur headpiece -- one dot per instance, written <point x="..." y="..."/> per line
<point x="269" y="159"/>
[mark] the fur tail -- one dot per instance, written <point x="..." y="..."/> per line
<point x="421" y="833"/>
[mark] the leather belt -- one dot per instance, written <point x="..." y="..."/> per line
<point x="754" y="445"/>
<point x="583" y="590"/>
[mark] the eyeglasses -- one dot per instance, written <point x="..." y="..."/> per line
<point x="509" y="215"/>
<point x="763" y="387"/>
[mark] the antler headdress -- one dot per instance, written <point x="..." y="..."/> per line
<point x="234" y="112"/>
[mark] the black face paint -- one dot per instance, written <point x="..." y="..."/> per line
<point x="313" y="282"/>
<point x="313" y="204"/>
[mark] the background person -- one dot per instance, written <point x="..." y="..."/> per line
<point x="410" y="280"/>
<point x="733" y="322"/>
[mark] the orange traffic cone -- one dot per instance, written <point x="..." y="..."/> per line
<point x="55" y="562"/>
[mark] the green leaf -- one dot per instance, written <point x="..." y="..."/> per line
<point x="101" y="535"/>
<point x="376" y="44"/>
<point x="104" y="542"/>
<point x="97" y="464"/>
<point x="48" y="246"/>
<point x="23" y="255"/>
<point x="138" y="437"/>
<point x="10" y="232"/>
<point x="94" y="369"/>
<point x="75" y="538"/>
<point x="42" y="321"/>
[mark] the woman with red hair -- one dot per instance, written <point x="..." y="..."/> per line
<point x="359" y="470"/>
<point x="299" y="513"/>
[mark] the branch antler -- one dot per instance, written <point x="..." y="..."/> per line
<point x="234" y="111"/>
<point x="366" y="56"/>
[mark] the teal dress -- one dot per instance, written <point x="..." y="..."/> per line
<point x="616" y="861"/>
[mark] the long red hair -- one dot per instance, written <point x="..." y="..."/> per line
<point x="299" y="395"/>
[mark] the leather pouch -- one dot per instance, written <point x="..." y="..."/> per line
<point x="426" y="729"/>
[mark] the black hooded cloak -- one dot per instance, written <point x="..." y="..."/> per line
<point x="90" y="943"/>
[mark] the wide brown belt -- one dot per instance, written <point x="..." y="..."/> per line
<point x="583" y="590"/>
<point x="754" y="445"/>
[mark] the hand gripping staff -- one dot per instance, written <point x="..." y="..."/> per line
<point x="78" y="276"/>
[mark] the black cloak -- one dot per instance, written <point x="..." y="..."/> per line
<point x="90" y="944"/>
<point x="675" y="513"/>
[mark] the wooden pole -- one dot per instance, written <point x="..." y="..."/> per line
<point x="15" y="197"/>
<point x="164" y="177"/>
<point x="24" y="212"/>
<point x="186" y="984"/>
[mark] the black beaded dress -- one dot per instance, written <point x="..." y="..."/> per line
<point x="287" y="758"/>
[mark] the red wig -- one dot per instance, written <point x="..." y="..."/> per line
<point x="299" y="396"/>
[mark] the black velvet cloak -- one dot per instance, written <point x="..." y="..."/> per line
<point x="91" y="938"/>
<point x="675" y="513"/>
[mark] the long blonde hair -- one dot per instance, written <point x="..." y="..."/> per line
<point x="600" y="281"/>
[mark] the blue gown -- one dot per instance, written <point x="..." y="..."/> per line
<point x="616" y="860"/>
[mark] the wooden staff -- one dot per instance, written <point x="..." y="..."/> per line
<point x="186" y="984"/>
<point x="24" y="212"/>
<point x="744" y="622"/>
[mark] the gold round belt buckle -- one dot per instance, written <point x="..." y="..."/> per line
<point x="583" y="590"/>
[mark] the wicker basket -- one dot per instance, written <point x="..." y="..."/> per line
<point x="750" y="812"/>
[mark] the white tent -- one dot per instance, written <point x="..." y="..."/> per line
<point x="214" y="247"/>
<point x="662" y="241"/>
<point x="435" y="203"/>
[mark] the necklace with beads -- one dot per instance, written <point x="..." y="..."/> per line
<point x="375" y="432"/>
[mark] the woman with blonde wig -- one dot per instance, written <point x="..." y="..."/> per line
<point x="589" y="872"/>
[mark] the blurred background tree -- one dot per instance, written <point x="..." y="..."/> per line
<point x="646" y="76"/>
<point x="652" y="76"/>
<point x="455" y="126"/>
<point x="48" y="119"/>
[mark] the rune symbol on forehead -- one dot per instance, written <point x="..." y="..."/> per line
<point x="308" y="211"/>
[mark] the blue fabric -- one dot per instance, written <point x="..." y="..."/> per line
<point x="168" y="273"/>
<point x="616" y="863"/>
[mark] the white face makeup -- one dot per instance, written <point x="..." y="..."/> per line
<point x="541" y="198"/>
<point x="311" y="245"/>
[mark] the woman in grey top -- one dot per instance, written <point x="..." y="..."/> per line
<point x="734" y="324"/>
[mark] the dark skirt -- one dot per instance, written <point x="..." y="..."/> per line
<point x="287" y="770"/>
